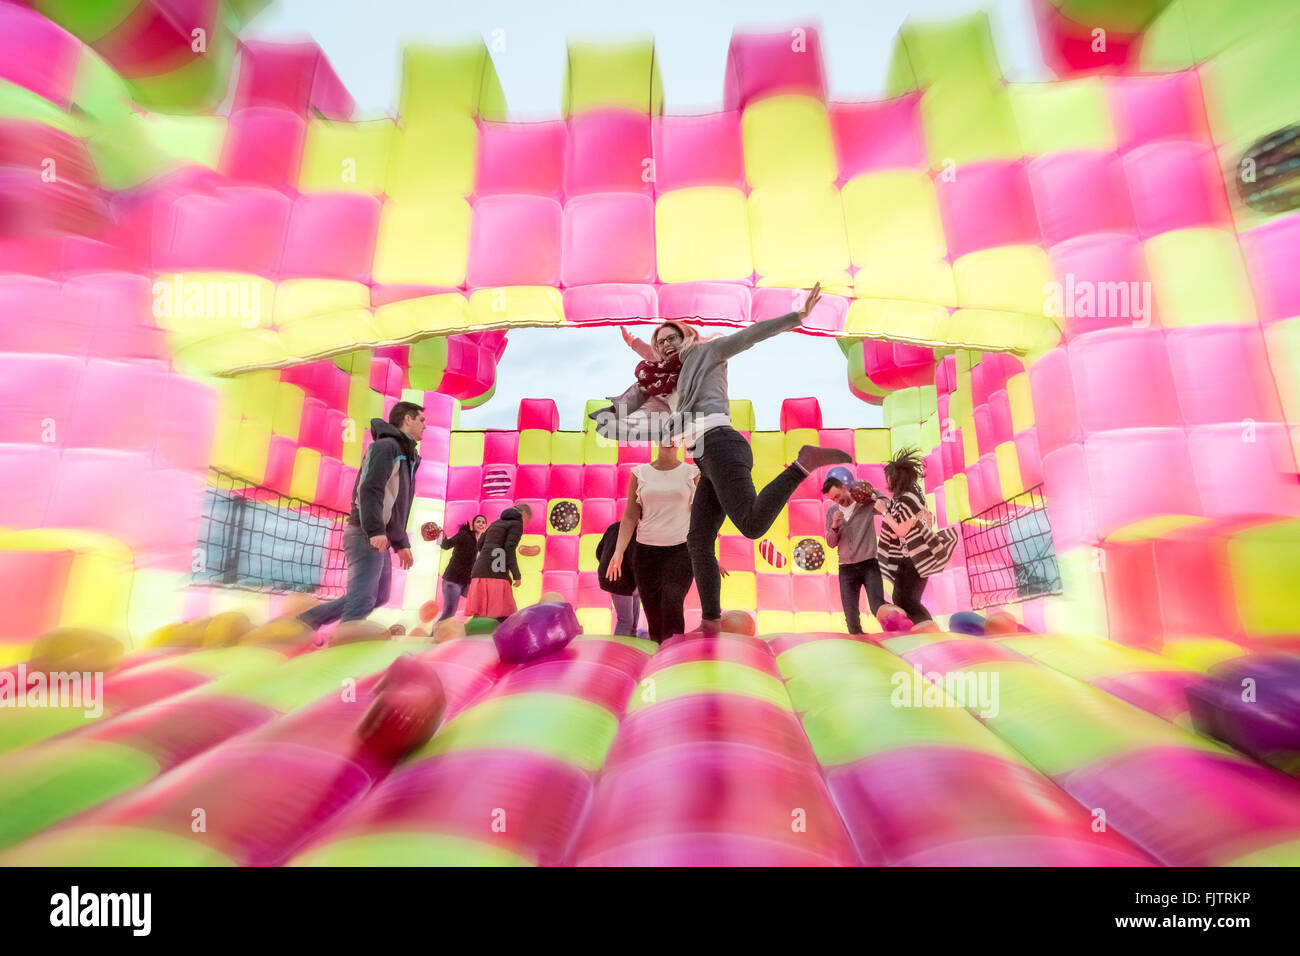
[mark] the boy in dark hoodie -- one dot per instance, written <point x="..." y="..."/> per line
<point x="381" y="504"/>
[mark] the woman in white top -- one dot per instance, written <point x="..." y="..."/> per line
<point x="658" y="508"/>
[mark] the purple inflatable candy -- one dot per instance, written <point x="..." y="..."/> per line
<point x="1253" y="704"/>
<point x="536" y="630"/>
<point x="967" y="622"/>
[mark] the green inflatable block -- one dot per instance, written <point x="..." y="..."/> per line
<point x="612" y="75"/>
<point x="458" y="79"/>
<point x="408" y="849"/>
<point x="1054" y="117"/>
<point x="112" y="846"/>
<point x="1265" y="564"/>
<point x="87" y="21"/>
<point x="1253" y="88"/>
<point x="966" y="122"/>
<point x="567" y="728"/>
<point x="925" y="52"/>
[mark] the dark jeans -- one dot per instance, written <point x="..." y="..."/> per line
<point x="451" y="595"/>
<point x="370" y="574"/>
<point x="726" y="490"/>
<point x="908" y="586"/>
<point x="663" y="576"/>
<point x="854" y="577"/>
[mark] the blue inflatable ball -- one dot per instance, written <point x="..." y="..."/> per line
<point x="841" y="474"/>
<point x="967" y="622"/>
<point x="535" y="631"/>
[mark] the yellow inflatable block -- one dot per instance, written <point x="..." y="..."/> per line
<point x="816" y="621"/>
<point x="919" y="323"/>
<point x="324" y="335"/>
<point x="304" y="298"/>
<point x="702" y="233"/>
<point x="587" y="552"/>
<point x="739" y="591"/>
<point x="532" y="567"/>
<point x="516" y="305"/>
<point x="597" y="450"/>
<point x="288" y="411"/>
<point x="871" y="445"/>
<point x="787" y="141"/>
<point x="905" y="436"/>
<point x="346" y="157"/>
<point x="970" y="443"/>
<point x="193" y="306"/>
<point x="769" y="450"/>
<point x="97" y="588"/>
<point x="534" y="446"/>
<point x="967" y="122"/>
<point x="424" y="241"/>
<point x="566" y="448"/>
<point x="899" y="277"/>
<point x="1201" y="653"/>
<point x="959" y="498"/>
<point x="454" y="78"/>
<point x="306" y="471"/>
<point x="577" y="530"/>
<point x="1009" y="469"/>
<point x="798" y="232"/>
<point x="466" y="448"/>
<point x="998" y="331"/>
<point x="157" y="598"/>
<point x="1282" y="340"/>
<point x="775" y="622"/>
<point x="1198" y="278"/>
<point x="251" y="450"/>
<point x="529" y="590"/>
<point x="893" y="214"/>
<point x="612" y="76"/>
<point x="429" y="315"/>
<point x="1022" y="403"/>
<point x="1006" y="277"/>
<point x="596" y="620"/>
<point x="433" y="156"/>
<point x="795" y="439"/>
<point x="830" y="566"/>
<point x="902" y="407"/>
<point x="960" y="408"/>
<point x="1081" y="608"/>
<point x="181" y="139"/>
<point x="742" y="415"/>
<point x="1060" y="115"/>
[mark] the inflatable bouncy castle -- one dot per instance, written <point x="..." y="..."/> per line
<point x="1076" y="296"/>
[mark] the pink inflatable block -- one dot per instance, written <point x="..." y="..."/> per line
<point x="1069" y="47"/>
<point x="810" y="593"/>
<point x="1105" y="367"/>
<point x="458" y="513"/>
<point x="331" y="236"/>
<point x="311" y="429"/>
<point x="1100" y="275"/>
<point x="875" y="136"/>
<point x="720" y="301"/>
<point x="624" y="471"/>
<point x="800" y="413"/>
<point x="27" y="476"/>
<point x="118" y="309"/>
<point x="774" y="592"/>
<point x="37" y="55"/>
<point x="500" y="447"/>
<point x="1271" y="252"/>
<point x="521" y="158"/>
<point x="827" y="316"/>
<point x="514" y="240"/>
<point x="496" y="481"/>
<point x="37" y="395"/>
<point x="564" y="481"/>
<point x="1222" y="454"/>
<point x="1138" y="473"/>
<point x="807" y="517"/>
<point x="332" y="438"/>
<point x="609" y="237"/>
<point x="439" y="409"/>
<point x="608" y="151"/>
<point x="539" y="506"/>
<point x="327" y="481"/>
<point x="987" y="204"/>
<point x="735" y="552"/>
<point x="561" y="552"/>
<point x="598" y="304"/>
<point x="1055" y="411"/>
<point x="1079" y="192"/>
<point x="599" y="481"/>
<point x="464" y="482"/>
<point x="945" y="375"/>
<point x="292" y="76"/>
<point x="264" y="145"/>
<point x="116" y="406"/>
<point x="431" y="480"/>
<point x="1176" y="186"/>
<point x="989" y="478"/>
<point x="1069" y="497"/>
<point x="767" y="64"/>
<point x="697" y="151"/>
<point x="1000" y="426"/>
<point x="538" y="413"/>
<point x="240" y="229"/>
<point x="1031" y="463"/>
<point x="564" y="583"/>
<point x="38" y="315"/>
<point x="951" y="451"/>
<point x="186" y="422"/>
<point x="895" y="365"/>
<point x="630" y="456"/>
<point x="1150" y="108"/>
<point x="872" y="473"/>
<point x="279" y="464"/>
<point x="975" y="492"/>
<point x="841" y="438"/>
<point x="984" y="436"/>
<point x="598" y="514"/>
<point x="1222" y="374"/>
<point x="103" y="490"/>
<point x="384" y="375"/>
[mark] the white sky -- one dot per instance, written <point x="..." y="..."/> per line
<point x="363" y="41"/>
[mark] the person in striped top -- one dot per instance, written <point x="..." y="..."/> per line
<point x="910" y="549"/>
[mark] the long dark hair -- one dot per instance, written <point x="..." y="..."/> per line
<point x="904" y="471"/>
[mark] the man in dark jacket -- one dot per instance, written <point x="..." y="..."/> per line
<point x="381" y="504"/>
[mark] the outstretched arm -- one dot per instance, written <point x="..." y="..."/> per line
<point x="641" y="348"/>
<point x="732" y="345"/>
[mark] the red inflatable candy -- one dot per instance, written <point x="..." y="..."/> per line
<point x="430" y="531"/>
<point x="407" y="709"/>
<point x="397" y="630"/>
<point x="862" y="492"/>
<point x="428" y="611"/>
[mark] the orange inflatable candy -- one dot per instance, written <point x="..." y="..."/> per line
<point x="1001" y="622"/>
<point x="428" y="611"/>
<point x="738" y="622"/>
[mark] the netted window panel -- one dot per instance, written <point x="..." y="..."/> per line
<point x="1009" y="551"/>
<point x="254" y="538"/>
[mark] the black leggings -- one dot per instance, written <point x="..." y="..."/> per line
<point x="663" y="576"/>
<point x="726" y="490"/>
<point x="908" y="586"/>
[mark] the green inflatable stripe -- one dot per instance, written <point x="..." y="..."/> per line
<point x="567" y="728"/>
<point x="20" y="727"/>
<point x="640" y="643"/>
<point x="819" y="656"/>
<point x="18" y="102"/>
<point x="709" y="677"/>
<point x="1280" y="854"/>
<point x="40" y="788"/>
<point x="310" y="677"/>
<point x="217" y="662"/>
<point x="87" y="21"/>
<point x="408" y="849"/>
<point x="112" y="846"/>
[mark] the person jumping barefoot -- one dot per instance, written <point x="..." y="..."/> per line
<point x="703" y="421"/>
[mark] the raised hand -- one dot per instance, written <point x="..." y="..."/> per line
<point x="810" y="303"/>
